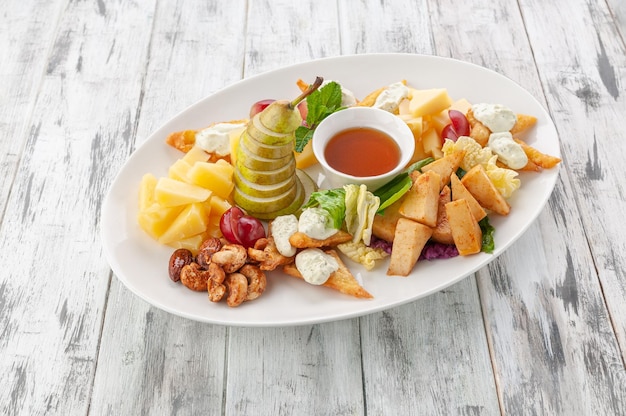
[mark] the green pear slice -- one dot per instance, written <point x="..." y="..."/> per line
<point x="265" y="135"/>
<point x="255" y="162"/>
<point x="255" y="205"/>
<point x="267" y="177"/>
<point x="293" y="207"/>
<point x="264" y="150"/>
<point x="262" y="191"/>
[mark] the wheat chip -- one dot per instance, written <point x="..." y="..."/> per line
<point x="540" y="159"/>
<point x="523" y="123"/>
<point x="301" y="240"/>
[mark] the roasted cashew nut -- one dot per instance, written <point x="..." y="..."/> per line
<point x="256" y="280"/>
<point x="215" y="286"/>
<point x="237" y="289"/>
<point x="193" y="277"/>
<point x="231" y="257"/>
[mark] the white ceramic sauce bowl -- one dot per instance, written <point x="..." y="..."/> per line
<point x="367" y="117"/>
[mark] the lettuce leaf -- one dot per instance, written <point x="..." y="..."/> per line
<point x="332" y="201"/>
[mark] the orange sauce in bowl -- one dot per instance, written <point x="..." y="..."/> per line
<point x="362" y="151"/>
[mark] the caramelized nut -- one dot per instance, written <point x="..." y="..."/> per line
<point x="179" y="259"/>
<point x="208" y="247"/>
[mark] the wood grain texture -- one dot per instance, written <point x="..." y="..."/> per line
<point x="26" y="37"/>
<point x="55" y="281"/>
<point x="430" y="357"/>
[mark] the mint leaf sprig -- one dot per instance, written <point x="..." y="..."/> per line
<point x="320" y="104"/>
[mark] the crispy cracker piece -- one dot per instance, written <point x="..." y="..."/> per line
<point x="524" y="122"/>
<point x="341" y="280"/>
<point x="540" y="159"/>
<point x="370" y="98"/>
<point x="478" y="131"/>
<point x="301" y="240"/>
<point x="267" y="255"/>
<point x="302" y="85"/>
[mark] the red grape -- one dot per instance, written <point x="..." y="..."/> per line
<point x="259" y="106"/>
<point x="459" y="123"/>
<point x="228" y="224"/>
<point x="249" y="230"/>
<point x="239" y="228"/>
<point x="449" y="133"/>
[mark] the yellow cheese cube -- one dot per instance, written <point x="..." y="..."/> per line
<point x="225" y="168"/>
<point x="461" y="105"/>
<point x="191" y="221"/>
<point x="170" y="192"/>
<point x="211" y="176"/>
<point x="306" y="158"/>
<point x="146" y="191"/>
<point x="432" y="101"/>
<point x="156" y="219"/>
<point x="178" y="170"/>
<point x="432" y="143"/>
<point x="195" y="154"/>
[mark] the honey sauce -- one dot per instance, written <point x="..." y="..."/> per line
<point x="362" y="151"/>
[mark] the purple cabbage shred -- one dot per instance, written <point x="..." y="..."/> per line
<point x="431" y="250"/>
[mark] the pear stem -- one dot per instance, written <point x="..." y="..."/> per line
<point x="307" y="92"/>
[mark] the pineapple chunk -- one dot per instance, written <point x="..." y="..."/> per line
<point x="226" y="168"/>
<point x="156" y="219"/>
<point x="170" y="192"/>
<point x="211" y="176"/>
<point x="191" y="243"/>
<point x="305" y="158"/>
<point x="432" y="101"/>
<point x="146" y="191"/>
<point x="179" y="170"/>
<point x="195" y="154"/>
<point x="191" y="221"/>
<point x="218" y="207"/>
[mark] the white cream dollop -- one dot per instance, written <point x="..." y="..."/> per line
<point x="508" y="151"/>
<point x="389" y="99"/>
<point x="496" y="117"/>
<point x="313" y="222"/>
<point x="282" y="228"/>
<point x="216" y="139"/>
<point x="315" y="266"/>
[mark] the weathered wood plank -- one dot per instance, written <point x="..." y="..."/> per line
<point x="431" y="356"/>
<point x="549" y="356"/>
<point x="168" y="362"/>
<point x="55" y="280"/>
<point x="27" y="30"/>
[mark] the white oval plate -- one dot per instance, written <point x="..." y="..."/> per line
<point x="141" y="264"/>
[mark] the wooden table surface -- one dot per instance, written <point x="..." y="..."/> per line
<point x="540" y="331"/>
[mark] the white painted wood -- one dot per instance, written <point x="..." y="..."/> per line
<point x="54" y="277"/>
<point x="26" y="36"/>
